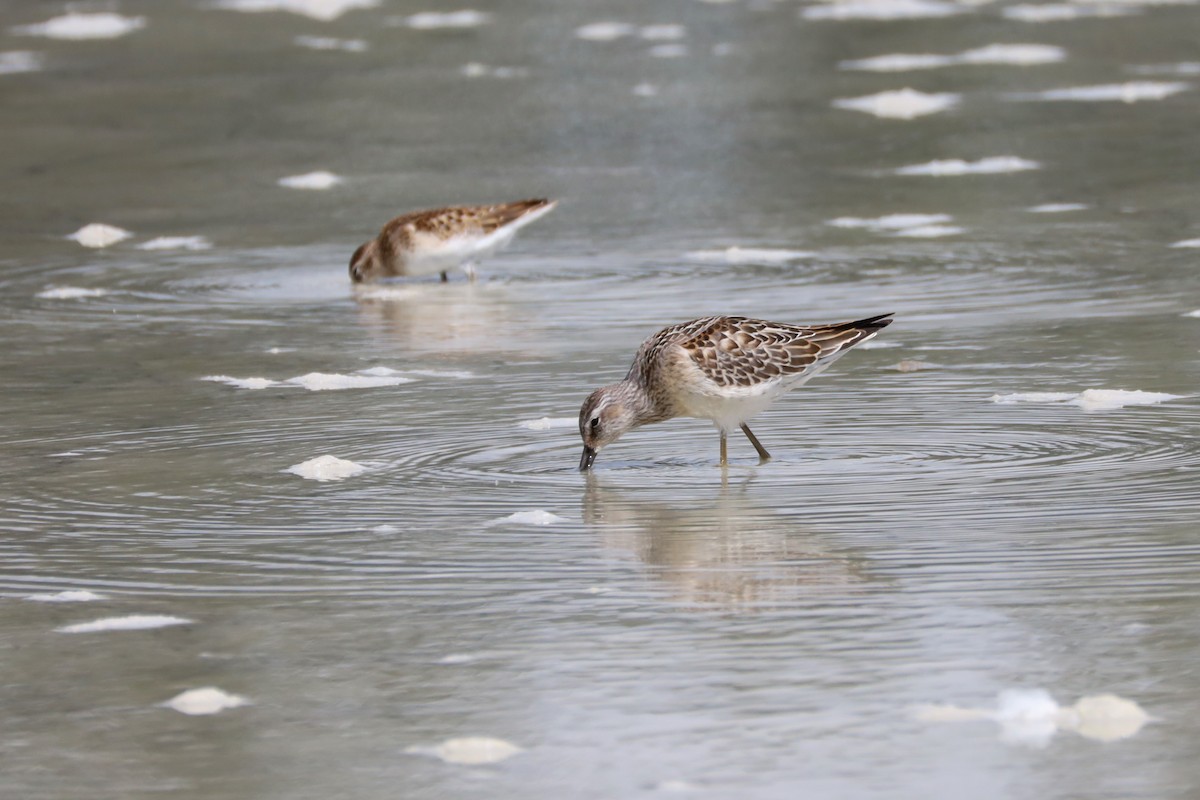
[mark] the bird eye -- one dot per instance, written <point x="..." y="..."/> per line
<point x="594" y="425"/>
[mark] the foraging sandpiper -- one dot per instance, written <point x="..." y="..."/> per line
<point x="440" y="239"/>
<point x="726" y="369"/>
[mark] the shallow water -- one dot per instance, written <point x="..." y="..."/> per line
<point x="659" y="627"/>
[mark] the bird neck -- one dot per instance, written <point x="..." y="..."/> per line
<point x="636" y="394"/>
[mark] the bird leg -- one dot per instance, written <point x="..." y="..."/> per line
<point x="763" y="455"/>
<point x="445" y="278"/>
<point x="724" y="451"/>
<point x="469" y="268"/>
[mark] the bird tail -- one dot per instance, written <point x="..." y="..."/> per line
<point x="872" y="324"/>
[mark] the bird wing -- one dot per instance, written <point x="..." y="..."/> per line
<point x="742" y="352"/>
<point x="446" y="222"/>
<point x="491" y="218"/>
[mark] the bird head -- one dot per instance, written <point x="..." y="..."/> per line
<point x="604" y="417"/>
<point x="364" y="264"/>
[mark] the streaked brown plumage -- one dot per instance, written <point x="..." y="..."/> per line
<point x="726" y="369"/>
<point x="440" y="239"/>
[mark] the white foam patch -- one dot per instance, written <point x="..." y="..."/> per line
<point x="70" y="293"/>
<point x="241" y="383"/>
<point x="878" y="344"/>
<point x="371" y="378"/>
<point x="998" y="54"/>
<point x="1056" y="208"/>
<point x="331" y="43"/>
<point x="311" y="180"/>
<point x="436" y="20"/>
<point x="1032" y="397"/>
<point x="604" y="31"/>
<point x="13" y="62"/>
<point x="469" y="750"/>
<point x="898" y="62"/>
<point x="326" y="468"/>
<point x="548" y="423"/>
<point x="1033" y="717"/>
<point x="893" y="222"/>
<point x="69" y="596"/>
<point x="1089" y="399"/>
<point x="1107" y="3"/>
<point x="1027" y="715"/>
<point x="882" y="10"/>
<point x="749" y="255"/>
<point x="537" y="517"/>
<point x="323" y="10"/>
<point x="1061" y="12"/>
<point x="176" y="243"/>
<point x="911" y="365"/>
<point x="666" y="32"/>
<point x="645" y="90"/>
<point x="1106" y="717"/>
<point x="1018" y="55"/>
<point x="676" y="786"/>
<point x="208" y="700"/>
<point x="929" y="231"/>
<point x="1182" y="68"/>
<point x="900" y="104"/>
<point x="98" y="234"/>
<point x="1194" y="314"/>
<point x="77" y="26"/>
<point x="1187" y="243"/>
<point x="427" y="373"/>
<point x="1109" y="399"/>
<point x="133" y="622"/>
<point x="454" y="659"/>
<point x="323" y="381"/>
<point x="669" y="50"/>
<point x="1131" y="92"/>
<point x="477" y="70"/>
<point x="992" y="165"/>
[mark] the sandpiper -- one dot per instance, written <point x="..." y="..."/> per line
<point x="440" y="239"/>
<point x="726" y="369"/>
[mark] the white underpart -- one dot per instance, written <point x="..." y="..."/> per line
<point x="730" y="407"/>
<point x="432" y="254"/>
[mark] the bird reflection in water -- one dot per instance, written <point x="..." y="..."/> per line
<point x="728" y="553"/>
<point x="429" y="317"/>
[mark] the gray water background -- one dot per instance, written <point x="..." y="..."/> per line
<point x="759" y="633"/>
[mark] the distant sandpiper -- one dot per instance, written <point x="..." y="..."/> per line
<point x="441" y="239"/>
<point x="726" y="369"/>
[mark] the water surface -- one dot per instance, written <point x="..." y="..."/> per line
<point x="759" y="632"/>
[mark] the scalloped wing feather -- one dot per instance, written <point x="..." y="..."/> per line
<point x="738" y="352"/>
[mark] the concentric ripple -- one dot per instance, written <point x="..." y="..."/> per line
<point x="145" y="479"/>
